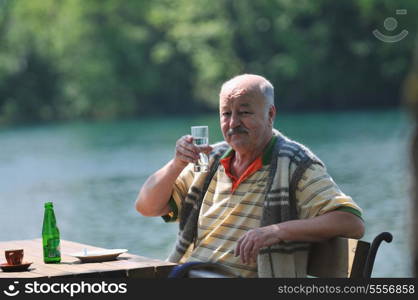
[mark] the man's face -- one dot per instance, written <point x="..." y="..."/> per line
<point x="245" y="120"/>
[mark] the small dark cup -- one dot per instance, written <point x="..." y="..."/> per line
<point x="14" y="256"/>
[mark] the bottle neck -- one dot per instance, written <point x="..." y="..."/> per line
<point x="49" y="217"/>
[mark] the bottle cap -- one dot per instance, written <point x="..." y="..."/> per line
<point x="48" y="204"/>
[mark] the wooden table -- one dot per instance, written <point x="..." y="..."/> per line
<point x="126" y="265"/>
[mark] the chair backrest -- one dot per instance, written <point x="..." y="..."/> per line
<point x="346" y="258"/>
<point x="338" y="258"/>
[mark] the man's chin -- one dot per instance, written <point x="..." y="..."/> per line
<point x="237" y="143"/>
<point x="235" y="139"/>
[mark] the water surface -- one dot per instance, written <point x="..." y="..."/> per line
<point x="93" y="171"/>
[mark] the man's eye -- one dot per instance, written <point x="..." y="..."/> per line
<point x="226" y="114"/>
<point x="245" y="113"/>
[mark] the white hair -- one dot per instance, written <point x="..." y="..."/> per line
<point x="267" y="90"/>
<point x="264" y="86"/>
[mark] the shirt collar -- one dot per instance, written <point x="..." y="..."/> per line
<point x="266" y="156"/>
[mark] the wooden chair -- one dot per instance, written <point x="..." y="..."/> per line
<point x="345" y="258"/>
<point x="335" y="258"/>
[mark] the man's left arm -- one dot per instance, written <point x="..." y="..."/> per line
<point x="320" y="228"/>
<point x="324" y="212"/>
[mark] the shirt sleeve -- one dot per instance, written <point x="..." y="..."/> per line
<point x="180" y="190"/>
<point x="317" y="193"/>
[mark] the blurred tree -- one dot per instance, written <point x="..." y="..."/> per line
<point x="73" y="59"/>
<point x="322" y="54"/>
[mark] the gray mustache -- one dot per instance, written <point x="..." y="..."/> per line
<point x="236" y="130"/>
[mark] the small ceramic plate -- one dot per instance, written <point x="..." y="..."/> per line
<point x="98" y="255"/>
<point x="15" y="268"/>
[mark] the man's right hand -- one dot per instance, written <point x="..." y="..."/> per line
<point x="186" y="152"/>
<point x="155" y="193"/>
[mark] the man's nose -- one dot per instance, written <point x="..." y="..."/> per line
<point x="235" y="120"/>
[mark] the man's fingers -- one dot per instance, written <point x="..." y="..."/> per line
<point x="254" y="254"/>
<point x="187" y="151"/>
<point x="242" y="251"/>
<point x="248" y="246"/>
<point x="187" y="143"/>
<point x="186" y="155"/>
<point x="188" y="138"/>
<point x="237" y="247"/>
<point x="246" y="252"/>
<point x="206" y="149"/>
<point x="192" y="147"/>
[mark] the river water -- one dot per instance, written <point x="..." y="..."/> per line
<point x="93" y="171"/>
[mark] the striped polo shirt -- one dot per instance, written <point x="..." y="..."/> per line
<point x="229" y="209"/>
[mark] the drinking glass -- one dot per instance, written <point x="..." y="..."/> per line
<point x="200" y="136"/>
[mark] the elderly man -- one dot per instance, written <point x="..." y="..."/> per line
<point x="264" y="199"/>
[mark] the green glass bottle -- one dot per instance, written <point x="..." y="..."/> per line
<point x="50" y="236"/>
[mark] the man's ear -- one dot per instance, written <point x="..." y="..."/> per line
<point x="272" y="114"/>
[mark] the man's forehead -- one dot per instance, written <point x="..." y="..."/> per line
<point x="242" y="97"/>
<point x="238" y="102"/>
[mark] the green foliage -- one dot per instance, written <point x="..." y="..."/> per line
<point x="72" y="59"/>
